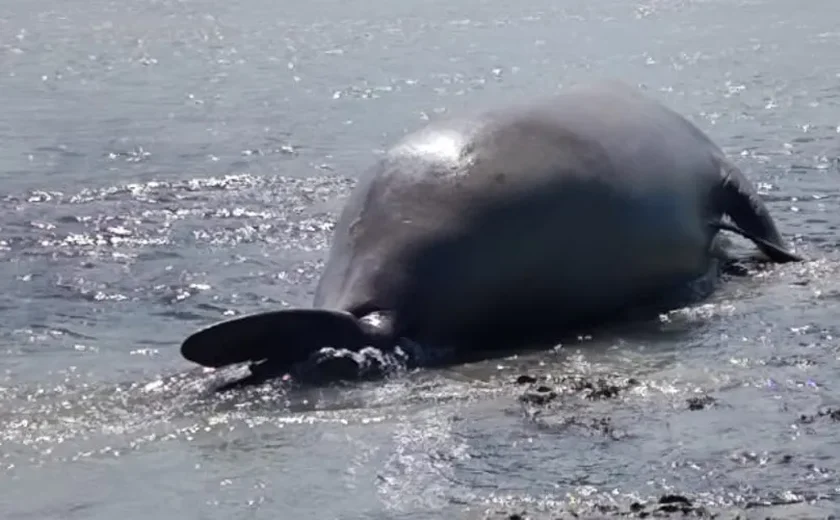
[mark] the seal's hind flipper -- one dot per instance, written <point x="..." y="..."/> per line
<point x="753" y="221"/>
<point x="284" y="337"/>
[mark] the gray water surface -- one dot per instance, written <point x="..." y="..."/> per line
<point x="165" y="164"/>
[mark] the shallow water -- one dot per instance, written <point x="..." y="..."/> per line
<point x="167" y="163"/>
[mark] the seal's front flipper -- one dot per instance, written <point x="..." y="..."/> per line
<point x="775" y="252"/>
<point x="284" y="337"/>
<point x="741" y="202"/>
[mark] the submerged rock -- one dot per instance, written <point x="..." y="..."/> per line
<point x="668" y="506"/>
<point x="700" y="402"/>
<point x="828" y="413"/>
<point x="677" y="506"/>
<point x="592" y="388"/>
<point x="540" y="396"/>
<point x="525" y="379"/>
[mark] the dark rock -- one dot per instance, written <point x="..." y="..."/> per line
<point x="540" y="396"/>
<point x="675" y="506"/>
<point x="668" y="506"/>
<point x="674" y="499"/>
<point x="599" y="388"/>
<point x="701" y="402"/>
<point x="829" y="413"/>
<point x="525" y="379"/>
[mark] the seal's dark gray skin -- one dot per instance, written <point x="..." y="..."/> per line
<point x="512" y="226"/>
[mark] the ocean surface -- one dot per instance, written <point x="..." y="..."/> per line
<point x="165" y="164"/>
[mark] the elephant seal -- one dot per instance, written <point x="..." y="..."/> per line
<point x="511" y="226"/>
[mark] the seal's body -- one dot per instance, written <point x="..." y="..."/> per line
<point x="512" y="226"/>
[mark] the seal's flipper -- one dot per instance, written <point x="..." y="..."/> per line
<point x="284" y="337"/>
<point x="775" y="252"/>
<point x="753" y="221"/>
